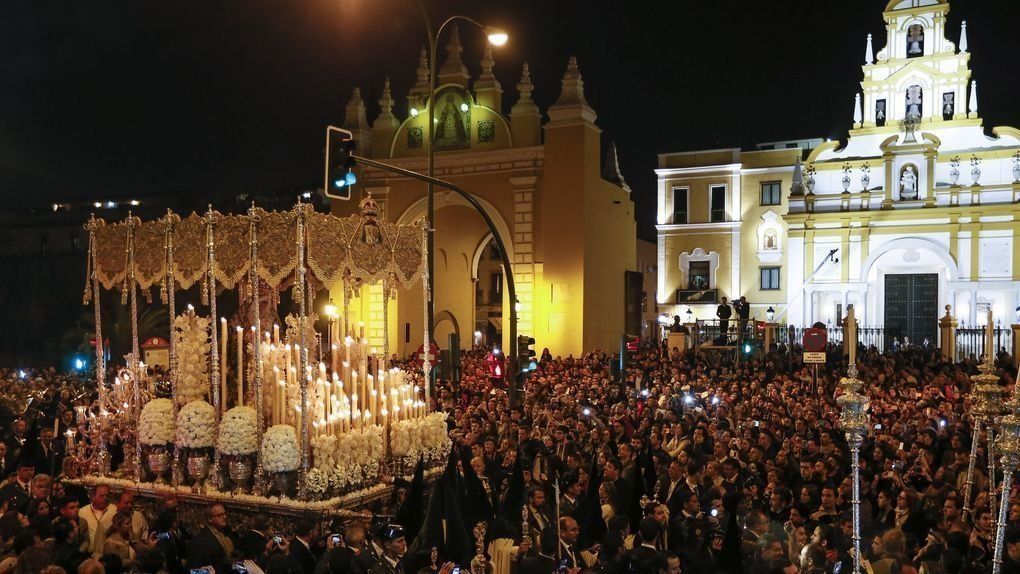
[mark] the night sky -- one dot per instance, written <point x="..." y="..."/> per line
<point x="109" y="99"/>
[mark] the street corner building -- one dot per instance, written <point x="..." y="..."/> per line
<point x="916" y="210"/>
<point x="566" y="216"/>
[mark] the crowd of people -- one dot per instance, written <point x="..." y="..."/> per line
<point x="688" y="461"/>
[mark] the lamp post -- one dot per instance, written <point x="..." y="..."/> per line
<point x="496" y="37"/>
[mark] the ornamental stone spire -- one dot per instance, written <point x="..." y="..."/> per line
<point x="571" y="104"/>
<point x="869" y="52"/>
<point x="525" y="117"/>
<point x="357" y="123"/>
<point x="797" y="187"/>
<point x="386" y="124"/>
<point x="420" y="91"/>
<point x="858" y="115"/>
<point x="488" y="91"/>
<point x="453" y="70"/>
<point x="611" y="168"/>
<point x="963" y="36"/>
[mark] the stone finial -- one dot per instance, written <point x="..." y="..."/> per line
<point x="572" y="92"/>
<point x="487" y="61"/>
<point x="963" y="36"/>
<point x="869" y="52"/>
<point x="487" y="88"/>
<point x="525" y="87"/>
<point x="420" y="90"/>
<point x="972" y="106"/>
<point x="386" y="101"/>
<point x="571" y="103"/>
<point x="453" y="70"/>
<point x="797" y="187"/>
<point x="611" y="168"/>
<point x="354" y="113"/>
<point x="858" y="115"/>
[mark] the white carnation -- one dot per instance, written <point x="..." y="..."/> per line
<point x="156" y="423"/>
<point x="239" y="432"/>
<point x="196" y="425"/>
<point x="280" y="449"/>
<point x="192" y="344"/>
<point x="317" y="481"/>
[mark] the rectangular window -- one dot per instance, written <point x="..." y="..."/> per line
<point x="717" y="209"/>
<point x="679" y="205"/>
<point x="770" y="278"/>
<point x="770" y="193"/>
<point x="495" y="289"/>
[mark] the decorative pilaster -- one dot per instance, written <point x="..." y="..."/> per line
<point x="947" y="335"/>
<point x="524" y="251"/>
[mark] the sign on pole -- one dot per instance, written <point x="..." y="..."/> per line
<point x="814" y="341"/>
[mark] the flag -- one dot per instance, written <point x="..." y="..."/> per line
<point x="589" y="508"/>
<point x="410" y="514"/>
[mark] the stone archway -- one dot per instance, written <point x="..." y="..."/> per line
<point x="446" y="323"/>
<point x="462" y="235"/>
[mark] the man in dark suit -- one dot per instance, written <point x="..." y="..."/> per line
<point x="545" y="561"/>
<point x="212" y="545"/>
<point x="670" y="489"/>
<point x="48" y="453"/>
<point x="255" y="541"/>
<point x="743" y="309"/>
<point x="18" y="491"/>
<point x="723" y="312"/>
<point x="643" y="557"/>
<point x="303" y="549"/>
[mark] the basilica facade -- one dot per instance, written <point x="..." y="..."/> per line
<point x="565" y="215"/>
<point x="916" y="210"/>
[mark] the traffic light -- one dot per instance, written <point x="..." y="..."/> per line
<point x="526" y="353"/>
<point x="340" y="176"/>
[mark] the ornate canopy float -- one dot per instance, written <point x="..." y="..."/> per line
<point x="246" y="408"/>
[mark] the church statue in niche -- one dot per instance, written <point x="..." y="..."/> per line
<point x="914" y="101"/>
<point x="948" y="105"/>
<point x="915" y="41"/>
<point x="771" y="240"/>
<point x="880" y="113"/>
<point x="453" y="121"/>
<point x="908" y="183"/>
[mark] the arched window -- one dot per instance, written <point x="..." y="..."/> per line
<point x="914" y="101"/>
<point x="915" y="41"/>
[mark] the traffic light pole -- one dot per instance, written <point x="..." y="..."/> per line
<point x="517" y="375"/>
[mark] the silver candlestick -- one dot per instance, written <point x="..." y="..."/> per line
<point x="853" y="418"/>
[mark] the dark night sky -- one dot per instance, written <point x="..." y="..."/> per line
<point x="123" y="98"/>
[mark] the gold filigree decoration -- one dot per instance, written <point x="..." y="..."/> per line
<point x="190" y="255"/>
<point x="328" y="253"/>
<point x="111" y="254"/>
<point x="150" y="254"/>
<point x="233" y="250"/>
<point x="277" y="249"/>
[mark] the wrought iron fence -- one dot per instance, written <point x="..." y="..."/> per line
<point x="971" y="341"/>
<point x="878" y="337"/>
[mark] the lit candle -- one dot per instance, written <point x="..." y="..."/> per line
<point x="276" y="335"/>
<point x="240" y="368"/>
<point x="223" y="363"/>
<point x="989" y="340"/>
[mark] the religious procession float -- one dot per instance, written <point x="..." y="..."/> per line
<point x="249" y="412"/>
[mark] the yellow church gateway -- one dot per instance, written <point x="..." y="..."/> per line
<point x="916" y="210"/>
<point x="567" y="219"/>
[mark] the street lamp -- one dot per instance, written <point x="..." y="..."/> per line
<point x="496" y="37"/>
<point x="770" y="314"/>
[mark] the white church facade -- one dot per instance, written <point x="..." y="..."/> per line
<point x="916" y="210"/>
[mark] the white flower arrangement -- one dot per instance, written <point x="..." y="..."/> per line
<point x="280" y="449"/>
<point x="317" y="481"/>
<point x="156" y="423"/>
<point x="324" y="452"/>
<point x="196" y="425"/>
<point x="238" y="432"/>
<point x="191" y="340"/>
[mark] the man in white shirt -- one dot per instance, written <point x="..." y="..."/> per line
<point x="95" y="519"/>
